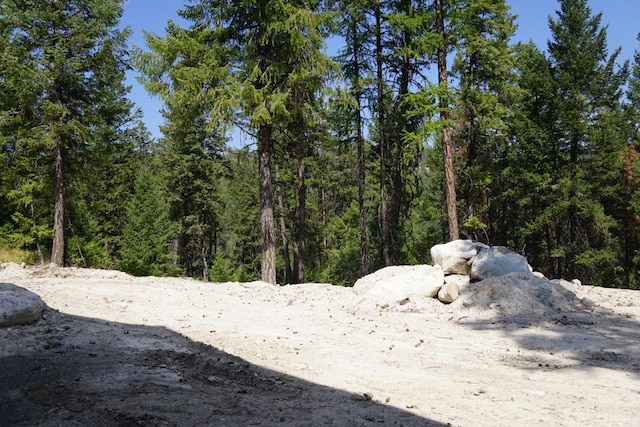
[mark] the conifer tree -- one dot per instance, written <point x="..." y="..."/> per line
<point x="483" y="65"/>
<point x="356" y="67"/>
<point x="184" y="71"/>
<point x="148" y="232"/>
<point x="72" y="55"/>
<point x="524" y="187"/>
<point x="259" y="46"/>
<point x="589" y="89"/>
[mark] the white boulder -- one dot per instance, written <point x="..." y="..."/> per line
<point x="18" y="306"/>
<point x="570" y="286"/>
<point x="455" y="257"/>
<point x="497" y="261"/>
<point x="392" y="285"/>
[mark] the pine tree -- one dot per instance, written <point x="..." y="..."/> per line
<point x="449" y="175"/>
<point x="356" y="69"/>
<point x="589" y="89"/>
<point x="483" y="65"/>
<point x="525" y="186"/>
<point x="185" y="71"/>
<point x="148" y="231"/>
<point x="72" y="54"/>
<point x="261" y="45"/>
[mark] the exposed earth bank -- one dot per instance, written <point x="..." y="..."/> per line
<point x="112" y="349"/>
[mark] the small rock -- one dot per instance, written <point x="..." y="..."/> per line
<point x="588" y="302"/>
<point x="570" y="286"/>
<point x="448" y="293"/>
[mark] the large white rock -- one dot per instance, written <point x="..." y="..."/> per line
<point x="455" y="257"/>
<point x="18" y="306"/>
<point x="497" y="261"/>
<point x="391" y="285"/>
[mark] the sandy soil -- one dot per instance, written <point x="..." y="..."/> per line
<point x="117" y="350"/>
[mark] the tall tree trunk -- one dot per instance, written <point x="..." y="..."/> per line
<point x="449" y="176"/>
<point x="365" y="258"/>
<point x="398" y="171"/>
<point x="302" y="208"/>
<point x="472" y="143"/>
<point x="205" y="262"/>
<point x="37" y="240"/>
<point x="265" y="149"/>
<point x="323" y="196"/>
<point x="58" y="254"/>
<point x="283" y="230"/>
<point x="384" y="207"/>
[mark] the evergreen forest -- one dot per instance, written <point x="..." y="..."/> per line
<point x="430" y="124"/>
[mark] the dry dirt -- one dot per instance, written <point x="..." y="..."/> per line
<point x="117" y="350"/>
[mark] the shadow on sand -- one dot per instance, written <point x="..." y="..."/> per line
<point x="75" y="371"/>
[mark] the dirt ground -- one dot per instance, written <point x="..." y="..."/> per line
<point x="114" y="350"/>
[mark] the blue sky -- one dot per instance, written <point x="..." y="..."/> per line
<point x="621" y="16"/>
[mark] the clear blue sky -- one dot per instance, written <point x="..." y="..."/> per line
<point x="621" y="16"/>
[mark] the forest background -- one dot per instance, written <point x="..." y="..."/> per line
<point x="430" y="124"/>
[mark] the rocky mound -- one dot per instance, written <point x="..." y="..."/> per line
<point x="489" y="279"/>
<point x="520" y="297"/>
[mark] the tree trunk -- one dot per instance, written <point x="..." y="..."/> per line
<point x="205" y="263"/>
<point x="471" y="137"/>
<point x="384" y="220"/>
<point x="37" y="240"/>
<point x="398" y="170"/>
<point x="283" y="231"/>
<point x="268" y="262"/>
<point x="58" y="254"/>
<point x="299" y="247"/>
<point x="365" y="258"/>
<point x="449" y="176"/>
<point x="323" y="196"/>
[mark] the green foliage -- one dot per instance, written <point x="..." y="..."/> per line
<point x="239" y="237"/>
<point x="148" y="231"/>
<point x="343" y="267"/>
<point x="221" y="269"/>
<point x="62" y="92"/>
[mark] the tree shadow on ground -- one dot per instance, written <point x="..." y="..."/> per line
<point x="70" y="370"/>
<point x="581" y="337"/>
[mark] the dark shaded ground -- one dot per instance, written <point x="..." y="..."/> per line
<point x="75" y="371"/>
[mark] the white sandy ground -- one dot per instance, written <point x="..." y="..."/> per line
<point x="112" y="351"/>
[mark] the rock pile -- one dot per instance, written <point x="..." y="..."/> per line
<point x="488" y="277"/>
